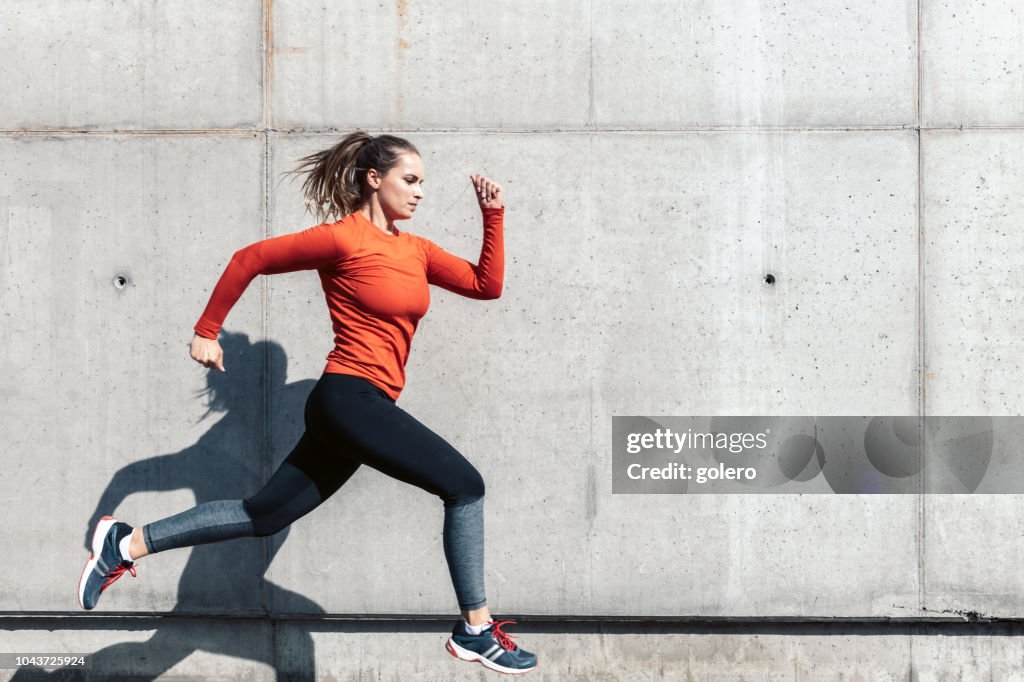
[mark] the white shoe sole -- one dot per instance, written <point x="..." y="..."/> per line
<point x="97" y="546"/>
<point x="467" y="655"/>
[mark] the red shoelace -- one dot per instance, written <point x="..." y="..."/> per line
<point x="504" y="639"/>
<point x="115" y="574"/>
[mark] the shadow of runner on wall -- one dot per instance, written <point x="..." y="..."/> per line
<point x="220" y="577"/>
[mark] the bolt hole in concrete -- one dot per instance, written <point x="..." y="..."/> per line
<point x="769" y="279"/>
<point x="120" y="281"/>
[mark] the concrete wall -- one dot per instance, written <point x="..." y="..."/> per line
<point x="659" y="158"/>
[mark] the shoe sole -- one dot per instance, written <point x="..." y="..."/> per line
<point x="467" y="655"/>
<point x="104" y="525"/>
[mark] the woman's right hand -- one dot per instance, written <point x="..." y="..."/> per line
<point x="488" y="193"/>
<point x="207" y="352"/>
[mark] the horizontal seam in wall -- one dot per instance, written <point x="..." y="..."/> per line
<point x="255" y="132"/>
<point x="954" y="619"/>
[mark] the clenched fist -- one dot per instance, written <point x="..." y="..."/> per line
<point x="488" y="192"/>
<point x="207" y="352"/>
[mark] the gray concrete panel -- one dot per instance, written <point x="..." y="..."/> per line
<point x="685" y="322"/>
<point x="997" y="653"/>
<point x="103" y="410"/>
<point x="686" y="325"/>
<point x="756" y="555"/>
<point x="130" y="65"/>
<point x="972" y="72"/>
<point x="973" y="183"/>
<point x="429" y="64"/>
<point x="971" y="217"/>
<point x="701" y="63"/>
<point x="972" y="553"/>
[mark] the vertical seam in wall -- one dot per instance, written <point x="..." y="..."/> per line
<point x="265" y="454"/>
<point x="921" y="360"/>
<point x="590" y="83"/>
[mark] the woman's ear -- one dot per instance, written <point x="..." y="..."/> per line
<point x="373" y="178"/>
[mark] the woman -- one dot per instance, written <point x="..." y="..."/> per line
<point x="375" y="279"/>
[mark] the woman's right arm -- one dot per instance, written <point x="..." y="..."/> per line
<point x="316" y="247"/>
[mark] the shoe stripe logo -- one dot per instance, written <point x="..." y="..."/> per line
<point x="496" y="655"/>
<point x="494" y="649"/>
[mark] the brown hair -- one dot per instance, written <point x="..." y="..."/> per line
<point x="336" y="177"/>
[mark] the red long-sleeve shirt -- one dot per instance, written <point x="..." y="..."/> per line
<point x="375" y="284"/>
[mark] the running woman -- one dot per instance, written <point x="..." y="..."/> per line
<point x="375" y="279"/>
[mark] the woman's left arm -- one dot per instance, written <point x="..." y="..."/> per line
<point x="481" y="281"/>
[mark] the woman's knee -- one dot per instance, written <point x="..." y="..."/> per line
<point x="470" y="489"/>
<point x="293" y="491"/>
<point x="264" y="522"/>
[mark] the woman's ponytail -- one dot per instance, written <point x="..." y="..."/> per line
<point x="336" y="177"/>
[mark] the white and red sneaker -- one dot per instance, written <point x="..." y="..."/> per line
<point x="493" y="648"/>
<point x="105" y="564"/>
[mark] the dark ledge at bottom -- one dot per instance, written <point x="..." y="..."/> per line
<point x="966" y="623"/>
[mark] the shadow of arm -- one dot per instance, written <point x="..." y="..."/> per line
<point x="155" y="474"/>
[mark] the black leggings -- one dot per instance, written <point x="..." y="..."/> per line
<point x="350" y="422"/>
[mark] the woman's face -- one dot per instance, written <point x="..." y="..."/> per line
<point x="401" y="189"/>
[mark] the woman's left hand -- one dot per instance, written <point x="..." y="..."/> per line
<point x="488" y="192"/>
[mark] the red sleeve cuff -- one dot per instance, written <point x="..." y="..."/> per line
<point x="207" y="328"/>
<point x="493" y="216"/>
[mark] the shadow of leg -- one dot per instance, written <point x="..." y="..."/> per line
<point x="60" y="675"/>
<point x="296" y="650"/>
<point x="296" y="655"/>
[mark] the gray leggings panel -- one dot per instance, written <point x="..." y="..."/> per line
<point x="207" y="522"/>
<point x="464" y="551"/>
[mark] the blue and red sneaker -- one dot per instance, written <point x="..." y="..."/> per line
<point x="492" y="647"/>
<point x="105" y="564"/>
